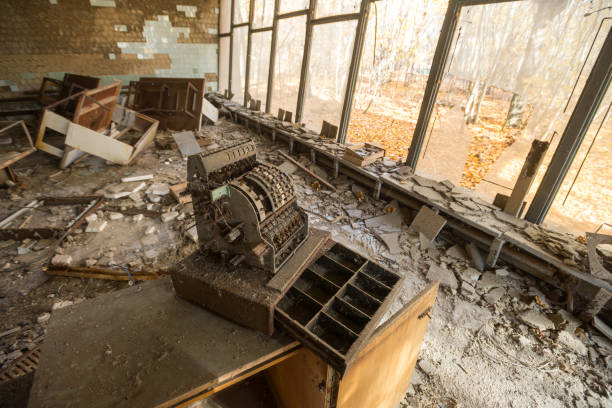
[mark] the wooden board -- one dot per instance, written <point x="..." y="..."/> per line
<point x="304" y="256"/>
<point x="300" y="381"/>
<point x="55" y="122"/>
<point x="175" y="102"/>
<point x="94" y="109"/>
<point x="380" y="374"/>
<point x="92" y="142"/>
<point x="145" y="347"/>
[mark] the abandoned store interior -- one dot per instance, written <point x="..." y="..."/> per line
<point x="305" y="203"/>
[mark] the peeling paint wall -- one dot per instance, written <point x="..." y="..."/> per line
<point x="111" y="39"/>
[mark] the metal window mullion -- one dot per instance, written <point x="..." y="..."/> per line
<point x="261" y="30"/>
<point x="593" y="93"/>
<point x="351" y="81"/>
<point x="219" y="36"/>
<point x="272" y="56"/>
<point x="337" y="18"/>
<point x="299" y="109"/>
<point x="247" y="69"/>
<point x="231" y="50"/>
<point x="296" y="13"/>
<point x="434" y="79"/>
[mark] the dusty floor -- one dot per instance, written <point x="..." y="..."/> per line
<point x="489" y="342"/>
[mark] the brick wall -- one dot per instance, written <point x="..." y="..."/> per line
<point x="121" y="39"/>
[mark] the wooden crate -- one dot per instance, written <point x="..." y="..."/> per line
<point x="364" y="154"/>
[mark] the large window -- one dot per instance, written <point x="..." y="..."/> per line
<point x="224" y="52"/>
<point x="327" y="73"/>
<point x="263" y="13"/>
<point x="397" y="53"/>
<point x="260" y="62"/>
<point x="513" y="73"/>
<point x="288" y="63"/>
<point x="584" y="201"/>
<point x="239" y="53"/>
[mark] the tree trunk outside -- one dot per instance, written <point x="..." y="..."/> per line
<point x="515" y="112"/>
<point x="472" y="109"/>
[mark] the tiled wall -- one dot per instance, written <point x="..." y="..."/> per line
<point x="122" y="39"/>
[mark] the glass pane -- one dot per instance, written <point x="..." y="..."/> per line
<point x="504" y="87"/>
<point x="260" y="62"/>
<point x="225" y="16"/>
<point x="288" y="63"/>
<point x="224" y="50"/>
<point x="398" y="49"/>
<point x="292" y="5"/>
<point x="241" y="11"/>
<point x="333" y="7"/>
<point x="328" y="70"/>
<point x="263" y="13"/>
<point x="584" y="202"/>
<point x="239" y="63"/>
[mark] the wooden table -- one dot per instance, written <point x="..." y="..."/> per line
<point x="144" y="347"/>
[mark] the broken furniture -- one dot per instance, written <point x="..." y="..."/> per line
<point x="15" y="144"/>
<point x="175" y="102"/>
<point x="363" y="154"/>
<point x="26" y="364"/>
<point x="85" y="205"/>
<point x="180" y="194"/>
<point x="95" y="127"/>
<point x="329" y="131"/>
<point x="175" y="353"/>
<point x="51" y="91"/>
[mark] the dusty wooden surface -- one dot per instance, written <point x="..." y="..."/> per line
<point x="143" y="347"/>
<point x="310" y="250"/>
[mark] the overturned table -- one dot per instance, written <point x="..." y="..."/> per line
<point x="145" y="347"/>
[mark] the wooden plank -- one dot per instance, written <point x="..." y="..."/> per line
<point x="145" y="347"/>
<point x="146" y="139"/>
<point x="300" y="381"/>
<point x="95" y="143"/>
<point x="310" y="173"/>
<point x="305" y="255"/>
<point x="90" y="114"/>
<point x="381" y="373"/>
<point x="55" y="122"/>
<point x="9" y="158"/>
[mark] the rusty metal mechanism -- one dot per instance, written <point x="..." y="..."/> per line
<point x="245" y="210"/>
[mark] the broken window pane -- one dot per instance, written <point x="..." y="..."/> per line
<point x="334" y="7"/>
<point x="293" y="5"/>
<point x="239" y="62"/>
<point x="241" y="11"/>
<point x="288" y="63"/>
<point x="398" y="49"/>
<point x="506" y="86"/>
<point x="260" y="61"/>
<point x="225" y="16"/>
<point x="263" y="13"/>
<point x="328" y="70"/>
<point x="583" y="202"/>
<point x="224" y="50"/>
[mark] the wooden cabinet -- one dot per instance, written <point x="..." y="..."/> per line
<point x="378" y="377"/>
